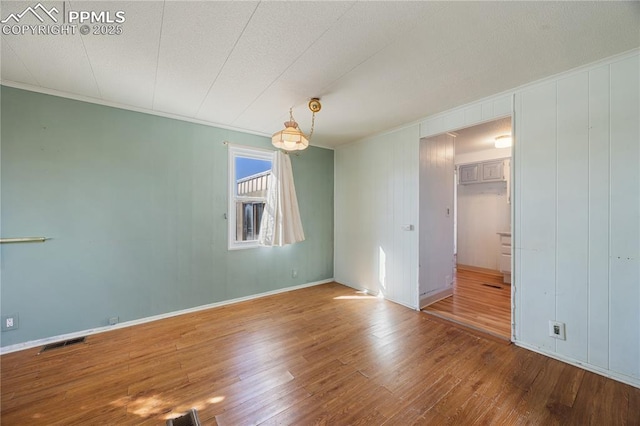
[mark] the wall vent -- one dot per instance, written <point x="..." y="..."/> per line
<point x="62" y="344"/>
<point x="189" y="419"/>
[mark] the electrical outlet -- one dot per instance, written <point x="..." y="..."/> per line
<point x="10" y="322"/>
<point x="114" y="320"/>
<point x="557" y="330"/>
<point x="294" y="273"/>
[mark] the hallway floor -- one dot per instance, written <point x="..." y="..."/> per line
<point x="480" y="301"/>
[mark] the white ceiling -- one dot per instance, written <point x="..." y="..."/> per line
<point x="376" y="65"/>
<point x="482" y="136"/>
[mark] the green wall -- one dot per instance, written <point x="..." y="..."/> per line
<point x="135" y="205"/>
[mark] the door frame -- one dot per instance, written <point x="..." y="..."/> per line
<point x="512" y="199"/>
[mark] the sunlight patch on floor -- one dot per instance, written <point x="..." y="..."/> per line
<point x="150" y="406"/>
<point x="359" y="295"/>
<point x="355" y="297"/>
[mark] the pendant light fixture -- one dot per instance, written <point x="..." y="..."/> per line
<point x="292" y="138"/>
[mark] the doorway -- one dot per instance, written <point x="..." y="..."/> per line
<point x="465" y="198"/>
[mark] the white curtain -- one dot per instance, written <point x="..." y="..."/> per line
<point x="281" y="224"/>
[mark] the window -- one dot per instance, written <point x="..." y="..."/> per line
<point x="249" y="170"/>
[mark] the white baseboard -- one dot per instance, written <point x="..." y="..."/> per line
<point x="355" y="287"/>
<point x="76" y="334"/>
<point x="434" y="297"/>
<point x="635" y="382"/>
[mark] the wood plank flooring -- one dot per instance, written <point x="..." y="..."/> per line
<point x="321" y="355"/>
<point x="481" y="301"/>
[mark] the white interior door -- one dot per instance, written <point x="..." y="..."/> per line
<point x="436" y="218"/>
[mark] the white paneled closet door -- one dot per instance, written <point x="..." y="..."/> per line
<point x="436" y="218"/>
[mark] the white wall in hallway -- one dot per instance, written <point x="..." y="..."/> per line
<point x="483" y="211"/>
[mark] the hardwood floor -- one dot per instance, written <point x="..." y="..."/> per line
<point x="321" y="355"/>
<point x="480" y="301"/>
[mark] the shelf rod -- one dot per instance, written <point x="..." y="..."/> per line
<point x="24" y="240"/>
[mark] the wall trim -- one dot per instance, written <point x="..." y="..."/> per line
<point x="91" y="331"/>
<point x="378" y="294"/>
<point x="531" y="84"/>
<point x="102" y="102"/>
<point x="480" y="270"/>
<point x="413" y="308"/>
<point x="632" y="381"/>
<point x="433" y="298"/>
<point x="508" y="92"/>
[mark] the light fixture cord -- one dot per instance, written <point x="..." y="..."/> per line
<point x="313" y="120"/>
<point x="313" y="123"/>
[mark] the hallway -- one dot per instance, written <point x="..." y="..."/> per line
<point x="480" y="301"/>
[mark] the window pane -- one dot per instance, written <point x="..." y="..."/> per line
<point x="248" y="217"/>
<point x="258" y="208"/>
<point x="252" y="177"/>
<point x="248" y="168"/>
<point x="247" y="223"/>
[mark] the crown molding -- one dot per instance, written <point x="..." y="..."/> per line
<point x="97" y="101"/>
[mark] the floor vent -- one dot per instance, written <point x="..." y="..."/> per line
<point x="63" y="344"/>
<point x="189" y="419"/>
<point x="493" y="286"/>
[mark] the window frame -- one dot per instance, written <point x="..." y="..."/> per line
<point x="244" y="152"/>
